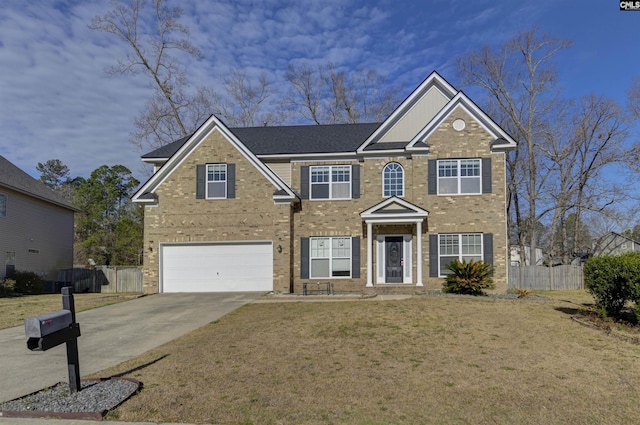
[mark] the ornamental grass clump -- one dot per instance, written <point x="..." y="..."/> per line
<point x="470" y="278"/>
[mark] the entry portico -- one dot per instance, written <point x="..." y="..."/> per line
<point x="394" y="249"/>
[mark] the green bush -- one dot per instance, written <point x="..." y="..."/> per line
<point x="27" y="283"/>
<point x="469" y="278"/>
<point x="612" y="281"/>
<point x="7" y="287"/>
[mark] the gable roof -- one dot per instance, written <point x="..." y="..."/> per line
<point x="14" y="178"/>
<point x="146" y="193"/>
<point x="502" y="141"/>
<point x="282" y="140"/>
<point x="331" y="139"/>
<point x="394" y="210"/>
<point x="434" y="80"/>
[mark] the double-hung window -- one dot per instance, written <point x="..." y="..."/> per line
<point x="459" y="177"/>
<point x="330" y="257"/>
<point x="393" y="180"/>
<point x="463" y="247"/>
<point x="216" y="181"/>
<point x="3" y="205"/>
<point x="330" y="182"/>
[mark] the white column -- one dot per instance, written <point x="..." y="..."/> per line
<point x="369" y="255"/>
<point x="419" y="253"/>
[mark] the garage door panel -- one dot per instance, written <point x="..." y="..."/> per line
<point x="222" y="267"/>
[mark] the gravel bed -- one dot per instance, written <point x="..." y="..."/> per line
<point x="94" y="396"/>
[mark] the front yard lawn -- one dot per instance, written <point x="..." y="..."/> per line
<point x="14" y="310"/>
<point x="425" y="360"/>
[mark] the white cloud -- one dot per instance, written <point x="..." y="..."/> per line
<point x="57" y="102"/>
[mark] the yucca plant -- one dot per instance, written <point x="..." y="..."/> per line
<point x="469" y="278"/>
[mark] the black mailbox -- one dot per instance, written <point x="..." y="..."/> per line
<point x="37" y="327"/>
<point x="50" y="330"/>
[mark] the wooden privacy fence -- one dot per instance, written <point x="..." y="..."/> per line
<point x="540" y="277"/>
<point x="103" y="279"/>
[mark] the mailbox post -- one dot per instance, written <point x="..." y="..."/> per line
<point x="50" y="330"/>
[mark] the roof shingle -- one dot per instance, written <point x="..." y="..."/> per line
<point x="14" y="178"/>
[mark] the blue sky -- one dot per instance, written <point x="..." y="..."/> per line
<point x="57" y="102"/>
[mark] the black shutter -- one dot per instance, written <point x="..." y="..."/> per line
<point x="355" y="256"/>
<point x="432" y="177"/>
<point x="200" y="177"/>
<point x="487" y="245"/>
<point x="486" y="175"/>
<point x="231" y="180"/>
<point x="304" y="258"/>
<point x="355" y="181"/>
<point x="433" y="256"/>
<point x="304" y="182"/>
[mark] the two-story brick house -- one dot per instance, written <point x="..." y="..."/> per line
<point x="369" y="207"/>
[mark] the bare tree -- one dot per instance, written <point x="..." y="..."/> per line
<point x="594" y="139"/>
<point x="326" y="95"/>
<point x="634" y="98"/>
<point x="520" y="79"/>
<point x="245" y="100"/>
<point x="154" y="37"/>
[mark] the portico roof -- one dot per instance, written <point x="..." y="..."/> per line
<point x="394" y="210"/>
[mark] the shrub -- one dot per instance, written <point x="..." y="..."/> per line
<point x="520" y="292"/>
<point x="7" y="287"/>
<point x="27" y="283"/>
<point x="469" y="278"/>
<point x="612" y="281"/>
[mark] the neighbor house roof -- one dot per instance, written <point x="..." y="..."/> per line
<point x="295" y="140"/>
<point x="14" y="178"/>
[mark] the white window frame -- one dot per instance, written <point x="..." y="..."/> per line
<point x="3" y="205"/>
<point x="326" y="253"/>
<point x="400" y="170"/>
<point x="460" y="254"/>
<point x="331" y="183"/>
<point x="459" y="178"/>
<point x="207" y="181"/>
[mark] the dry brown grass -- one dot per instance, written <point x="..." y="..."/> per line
<point x="14" y="310"/>
<point x="426" y="360"/>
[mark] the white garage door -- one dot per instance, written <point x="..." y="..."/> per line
<point x="219" y="267"/>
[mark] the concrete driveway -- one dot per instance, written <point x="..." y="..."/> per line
<point x="110" y="335"/>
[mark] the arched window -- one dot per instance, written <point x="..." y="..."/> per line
<point x="393" y="180"/>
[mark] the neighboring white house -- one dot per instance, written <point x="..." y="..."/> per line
<point x="36" y="225"/>
<point x="515" y="259"/>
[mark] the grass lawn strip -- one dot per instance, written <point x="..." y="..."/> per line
<point x="424" y="360"/>
<point x="14" y="310"/>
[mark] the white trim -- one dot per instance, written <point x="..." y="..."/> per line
<point x="434" y="79"/>
<point x="331" y="183"/>
<point x="458" y="177"/>
<point x="330" y="258"/>
<point x="373" y="214"/>
<point x="407" y="258"/>
<point x="384" y="181"/>
<point x="206" y="181"/>
<point x="460" y="100"/>
<point x="460" y="255"/>
<point x="210" y="126"/>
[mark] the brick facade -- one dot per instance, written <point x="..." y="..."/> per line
<point x="254" y="214"/>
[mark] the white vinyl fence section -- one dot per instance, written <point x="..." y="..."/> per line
<point x="563" y="277"/>
<point x="103" y="279"/>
